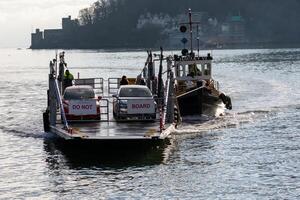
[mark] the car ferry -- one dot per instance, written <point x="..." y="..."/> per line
<point x="79" y="116"/>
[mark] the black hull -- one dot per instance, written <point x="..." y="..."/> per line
<point x="198" y="102"/>
<point x="107" y="153"/>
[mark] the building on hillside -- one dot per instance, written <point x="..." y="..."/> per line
<point x="176" y="39"/>
<point x="54" y="38"/>
<point x="210" y="33"/>
<point x="233" y="30"/>
<point x="69" y="24"/>
<point x="37" y="38"/>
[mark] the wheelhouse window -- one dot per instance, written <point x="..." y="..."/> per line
<point x="194" y="70"/>
<point x="206" y="69"/>
<point x="181" y="70"/>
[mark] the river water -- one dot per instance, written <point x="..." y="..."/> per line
<point x="252" y="152"/>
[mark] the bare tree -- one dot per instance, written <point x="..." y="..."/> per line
<point x="85" y="16"/>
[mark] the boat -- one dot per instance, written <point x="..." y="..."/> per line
<point x="196" y="91"/>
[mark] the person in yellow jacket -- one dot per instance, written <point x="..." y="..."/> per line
<point x="68" y="79"/>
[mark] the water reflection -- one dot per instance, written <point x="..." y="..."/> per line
<point x="61" y="155"/>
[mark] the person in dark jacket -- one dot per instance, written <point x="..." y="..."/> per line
<point x="124" y="81"/>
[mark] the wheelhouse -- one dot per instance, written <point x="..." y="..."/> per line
<point x="198" y="69"/>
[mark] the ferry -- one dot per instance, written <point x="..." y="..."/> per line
<point x="82" y="114"/>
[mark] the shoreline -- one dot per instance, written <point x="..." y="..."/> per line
<point x="167" y="48"/>
<point x="173" y="48"/>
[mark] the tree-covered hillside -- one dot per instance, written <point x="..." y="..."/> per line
<point x="150" y="23"/>
<point x="114" y="22"/>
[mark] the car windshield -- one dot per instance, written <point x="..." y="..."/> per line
<point x="135" y="92"/>
<point x="79" y="93"/>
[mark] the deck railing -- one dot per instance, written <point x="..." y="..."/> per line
<point x="59" y="101"/>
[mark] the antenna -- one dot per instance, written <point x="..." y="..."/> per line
<point x="191" y="29"/>
<point x="198" y="39"/>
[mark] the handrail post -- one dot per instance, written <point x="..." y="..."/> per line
<point x="169" y="99"/>
<point x="52" y="100"/>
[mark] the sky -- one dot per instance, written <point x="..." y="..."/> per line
<point x="19" y="18"/>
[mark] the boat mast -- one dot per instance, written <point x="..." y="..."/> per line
<point x="191" y="29"/>
<point x="198" y="40"/>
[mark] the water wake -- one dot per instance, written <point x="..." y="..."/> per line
<point x="198" y="125"/>
<point x="23" y="133"/>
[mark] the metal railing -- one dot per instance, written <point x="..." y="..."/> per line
<point x="59" y="101"/>
<point x="106" y="107"/>
<point x="165" y="106"/>
<point x="113" y="85"/>
<point x="96" y="83"/>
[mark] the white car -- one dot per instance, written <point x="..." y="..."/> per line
<point x="81" y="104"/>
<point x="134" y="102"/>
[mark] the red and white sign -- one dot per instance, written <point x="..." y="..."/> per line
<point x="83" y="107"/>
<point x="140" y="106"/>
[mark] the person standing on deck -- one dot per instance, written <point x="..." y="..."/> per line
<point x="124" y="81"/>
<point x="68" y="80"/>
<point x="62" y="66"/>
